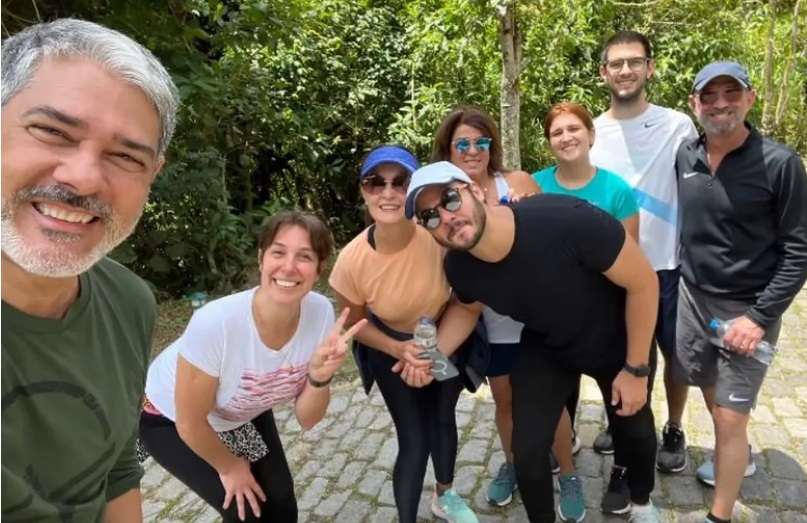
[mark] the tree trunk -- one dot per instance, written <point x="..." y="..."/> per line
<point x="784" y="85"/>
<point x="511" y="44"/>
<point x="769" y="95"/>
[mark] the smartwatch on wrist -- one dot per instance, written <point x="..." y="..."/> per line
<point x="319" y="384"/>
<point x="642" y="371"/>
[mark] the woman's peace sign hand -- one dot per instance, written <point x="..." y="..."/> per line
<point x="330" y="355"/>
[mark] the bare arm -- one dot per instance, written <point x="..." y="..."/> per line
<point x="126" y="508"/>
<point x="312" y="402"/>
<point x="311" y="405"/>
<point x="194" y="396"/>
<point x="522" y="183"/>
<point x="633" y="272"/>
<point x="456" y="325"/>
<point x="631" y="224"/>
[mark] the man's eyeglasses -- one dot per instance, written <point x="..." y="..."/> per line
<point x="634" y="64"/>
<point x="450" y="200"/>
<point x="482" y="144"/>
<point x="375" y="184"/>
<point x="729" y="95"/>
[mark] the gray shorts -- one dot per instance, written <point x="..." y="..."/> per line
<point x="699" y="359"/>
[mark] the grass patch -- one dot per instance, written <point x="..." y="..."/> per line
<point x="172" y="318"/>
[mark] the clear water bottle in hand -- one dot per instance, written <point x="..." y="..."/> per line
<point x="425" y="337"/>
<point x="764" y="351"/>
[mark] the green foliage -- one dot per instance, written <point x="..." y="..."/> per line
<point x="189" y="238"/>
<point x="283" y="98"/>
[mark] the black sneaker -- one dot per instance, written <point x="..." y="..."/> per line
<point x="617" y="498"/>
<point x="604" y="444"/>
<point x="553" y="463"/>
<point x="672" y="454"/>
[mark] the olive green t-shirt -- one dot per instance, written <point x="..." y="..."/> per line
<point x="71" y="395"/>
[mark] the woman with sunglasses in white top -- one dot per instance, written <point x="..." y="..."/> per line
<point x="468" y="138"/>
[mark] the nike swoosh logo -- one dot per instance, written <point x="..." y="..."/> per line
<point x="648" y="125"/>
<point x="735" y="399"/>
<point x="689" y="175"/>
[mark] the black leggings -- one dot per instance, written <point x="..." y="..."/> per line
<point x="541" y="387"/>
<point x="426" y="424"/>
<point x="160" y="438"/>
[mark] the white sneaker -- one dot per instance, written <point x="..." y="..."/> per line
<point x="576" y="443"/>
<point x="644" y="513"/>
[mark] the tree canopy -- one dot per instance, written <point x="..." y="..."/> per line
<point x="282" y="98"/>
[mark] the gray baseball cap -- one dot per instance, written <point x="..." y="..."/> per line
<point x="438" y="173"/>
<point x="715" y="69"/>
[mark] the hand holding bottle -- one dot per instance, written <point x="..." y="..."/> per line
<point x="744" y="339"/>
<point x="742" y="336"/>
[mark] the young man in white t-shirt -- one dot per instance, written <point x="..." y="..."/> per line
<point x="639" y="141"/>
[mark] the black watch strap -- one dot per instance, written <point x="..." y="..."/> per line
<point x="642" y="371"/>
<point x="319" y="384"/>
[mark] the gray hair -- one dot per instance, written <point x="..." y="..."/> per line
<point x="113" y="50"/>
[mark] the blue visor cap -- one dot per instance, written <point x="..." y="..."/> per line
<point x="389" y="154"/>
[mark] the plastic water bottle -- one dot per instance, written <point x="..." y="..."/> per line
<point x="764" y="351"/>
<point x="425" y="335"/>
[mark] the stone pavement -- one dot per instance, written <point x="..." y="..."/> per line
<point x="343" y="467"/>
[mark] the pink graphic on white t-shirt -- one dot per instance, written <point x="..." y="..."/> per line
<point x="258" y="393"/>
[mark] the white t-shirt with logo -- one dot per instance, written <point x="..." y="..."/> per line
<point x="222" y="341"/>
<point x="642" y="151"/>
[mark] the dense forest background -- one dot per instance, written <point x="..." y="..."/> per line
<point x="282" y="98"/>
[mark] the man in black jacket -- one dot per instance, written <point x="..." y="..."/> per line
<point x="743" y="260"/>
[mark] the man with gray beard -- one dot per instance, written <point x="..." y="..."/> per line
<point x="87" y="115"/>
<point x="743" y="260"/>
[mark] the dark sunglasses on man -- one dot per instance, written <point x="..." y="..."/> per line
<point x="731" y="95"/>
<point x="450" y="200"/>
<point x="375" y="184"/>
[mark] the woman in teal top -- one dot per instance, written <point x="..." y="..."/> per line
<point x="570" y="131"/>
<point x="606" y="190"/>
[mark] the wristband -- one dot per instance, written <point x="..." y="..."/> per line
<point x="641" y="371"/>
<point x="319" y="384"/>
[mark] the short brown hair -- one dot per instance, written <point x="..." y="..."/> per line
<point x="318" y="232"/>
<point x="571" y="108"/>
<point x="476" y="118"/>
<point x="626" y="37"/>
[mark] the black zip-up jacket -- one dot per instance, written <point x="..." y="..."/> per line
<point x="744" y="227"/>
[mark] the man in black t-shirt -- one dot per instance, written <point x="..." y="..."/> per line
<point x="588" y="300"/>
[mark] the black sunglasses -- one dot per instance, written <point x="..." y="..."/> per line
<point x="374" y="183"/>
<point x="450" y="200"/>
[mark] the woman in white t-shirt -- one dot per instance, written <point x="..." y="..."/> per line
<point x="207" y="418"/>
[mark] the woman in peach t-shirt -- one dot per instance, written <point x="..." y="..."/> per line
<point x="392" y="272"/>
